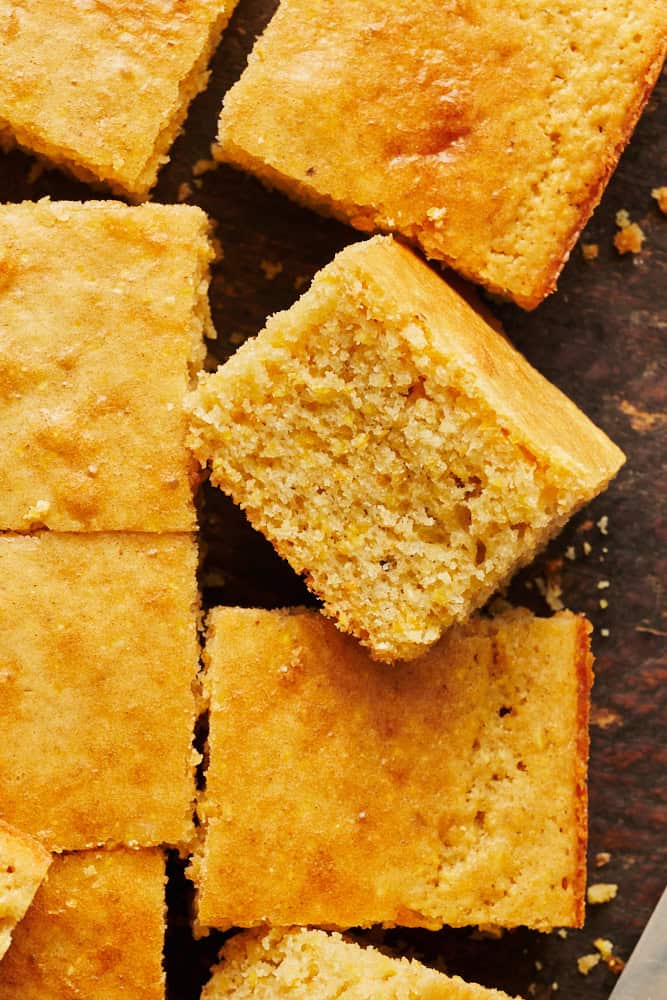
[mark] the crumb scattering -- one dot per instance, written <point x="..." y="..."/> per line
<point x="660" y="195"/>
<point x="590" y="251"/>
<point x="587" y="962"/>
<point x="630" y="237"/>
<point x="601" y="892"/>
<point x="602" y="858"/>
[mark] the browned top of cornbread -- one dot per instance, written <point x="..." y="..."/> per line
<point x="98" y="655"/>
<point x="94" y="932"/>
<point x="23" y="865"/>
<point x="448" y="790"/>
<point x="102" y="87"/>
<point x="483" y="130"/>
<point x="312" y="965"/>
<point x="102" y="311"/>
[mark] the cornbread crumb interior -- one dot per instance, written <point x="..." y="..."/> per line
<point x="301" y="963"/>
<point x="394" y="447"/>
<point x="23" y="865"/>
<point x="449" y="790"/>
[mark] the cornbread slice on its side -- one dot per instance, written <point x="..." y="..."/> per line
<point x="98" y="658"/>
<point x="102" y="311"/>
<point x="101" y="89"/>
<point x="95" y="931"/>
<point x="451" y="790"/>
<point x="23" y="865"/>
<point x="485" y="131"/>
<point x="311" y="964"/>
<point x="394" y="448"/>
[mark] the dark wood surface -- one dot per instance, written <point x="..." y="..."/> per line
<point x="601" y="338"/>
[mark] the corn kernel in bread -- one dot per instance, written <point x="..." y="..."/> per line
<point x="483" y="130"/>
<point x="95" y="931"/>
<point x="23" y="865"/>
<point x="394" y="448"/>
<point x="98" y="656"/>
<point x="450" y="790"/>
<point x="302" y="963"/>
<point x="102" y="310"/>
<point x="101" y="88"/>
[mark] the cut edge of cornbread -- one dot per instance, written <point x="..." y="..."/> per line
<point x="405" y="469"/>
<point x="137" y="187"/>
<point x="281" y="962"/>
<point x="23" y="867"/>
<point x="216" y="912"/>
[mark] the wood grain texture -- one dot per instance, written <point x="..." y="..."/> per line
<point x="601" y="338"/>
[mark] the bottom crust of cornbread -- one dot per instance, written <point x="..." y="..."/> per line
<point x="94" y="931"/>
<point x="311" y="964"/>
<point x="23" y="865"/>
<point x="449" y="790"/>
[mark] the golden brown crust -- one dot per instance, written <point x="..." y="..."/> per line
<point x="95" y="930"/>
<point x="102" y="314"/>
<point x="469" y="128"/>
<point x="99" y="653"/>
<point x="101" y="89"/>
<point x="448" y="790"/>
<point x="585" y="676"/>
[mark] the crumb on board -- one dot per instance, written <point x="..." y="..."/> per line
<point x="629" y="238"/>
<point x="604" y="603"/>
<point x="606" y="950"/>
<point x="603" y="524"/>
<point x="602" y="858"/>
<point x="660" y="195"/>
<point x="587" y="962"/>
<point x="601" y="892"/>
<point x="487" y="931"/>
<point x="562" y="933"/>
<point x="271" y="268"/>
<point x="604" y="717"/>
<point x="603" y="584"/>
<point x="203" y="167"/>
<point x="184" y="192"/>
<point x="605" y="633"/>
<point x="571" y="553"/>
<point x="590" y="251"/>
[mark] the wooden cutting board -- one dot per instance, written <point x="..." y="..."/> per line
<point x="601" y="338"/>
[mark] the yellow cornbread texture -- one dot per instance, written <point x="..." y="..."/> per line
<point x="483" y="130"/>
<point x="94" y="932"/>
<point x="98" y="656"/>
<point x="395" y="448"/>
<point x="450" y="790"/>
<point x="23" y="865"/>
<point x="102" y="315"/>
<point x="101" y="87"/>
<point x="311" y="965"/>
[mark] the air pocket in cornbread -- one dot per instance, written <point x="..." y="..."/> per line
<point x="98" y="658"/>
<point x="483" y="130"/>
<point x="395" y="448"/>
<point x="95" y="931"/>
<point x="309" y="963"/>
<point x="102" y="314"/>
<point x="101" y="89"/>
<point x="449" y="790"/>
<point x="23" y="865"/>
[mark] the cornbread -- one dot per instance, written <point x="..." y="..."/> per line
<point x="395" y="448"/>
<point x="98" y="657"/>
<point x="311" y="964"/>
<point x="451" y="790"/>
<point x="23" y="865"/>
<point x="94" y="932"/>
<point x="483" y="131"/>
<point x="102" y="311"/>
<point x="101" y="88"/>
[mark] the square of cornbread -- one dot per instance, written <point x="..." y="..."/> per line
<point x="450" y="790"/>
<point x="298" y="962"/>
<point x="98" y="658"/>
<point x="484" y="131"/>
<point x="102" y="315"/>
<point x="23" y="865"/>
<point x="101" y="88"/>
<point x="95" y="931"/>
<point x="395" y="448"/>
